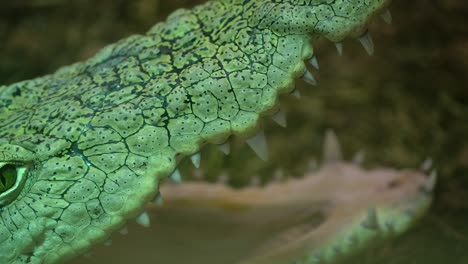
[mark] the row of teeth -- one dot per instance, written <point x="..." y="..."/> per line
<point x="332" y="154"/>
<point x="258" y="143"/>
<point x="373" y="223"/>
<point x="365" y="40"/>
<point x="332" y="150"/>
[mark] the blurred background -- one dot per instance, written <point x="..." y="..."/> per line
<point x="407" y="102"/>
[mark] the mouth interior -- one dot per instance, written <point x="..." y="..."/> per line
<point x="200" y="232"/>
<point x="212" y="223"/>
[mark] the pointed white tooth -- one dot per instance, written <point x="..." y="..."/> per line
<point x="387" y="16"/>
<point x="124" y="231"/>
<point x="108" y="243"/>
<point x="371" y="221"/>
<point x="196" y="159"/>
<point x="175" y="176"/>
<point x="280" y="118"/>
<point x="158" y="200"/>
<point x="314" y="62"/>
<point x="143" y="219"/>
<point x="259" y="145"/>
<point x="309" y="78"/>
<point x="426" y="165"/>
<point x="296" y="94"/>
<point x="331" y="148"/>
<point x="359" y="157"/>
<point x="431" y="182"/>
<point x="339" y="48"/>
<point x="225" y="148"/>
<point x="367" y="43"/>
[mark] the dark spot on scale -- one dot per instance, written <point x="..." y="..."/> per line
<point x="16" y="93"/>
<point x="165" y="50"/>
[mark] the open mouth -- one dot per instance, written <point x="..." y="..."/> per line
<point x="142" y="112"/>
<point x="324" y="216"/>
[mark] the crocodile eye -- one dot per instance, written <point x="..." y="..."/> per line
<point x="7" y="177"/>
<point x="12" y="179"/>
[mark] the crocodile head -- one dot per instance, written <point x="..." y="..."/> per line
<point x="83" y="150"/>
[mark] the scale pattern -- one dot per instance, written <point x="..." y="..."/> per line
<point x="97" y="137"/>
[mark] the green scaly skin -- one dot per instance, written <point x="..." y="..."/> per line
<point x="91" y="142"/>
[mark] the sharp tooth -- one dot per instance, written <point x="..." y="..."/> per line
<point x="358" y="157"/>
<point x="309" y="78"/>
<point x="225" y="148"/>
<point x="124" y="231"/>
<point x="280" y="118"/>
<point x="196" y="159"/>
<point x="339" y="47"/>
<point x="158" y="200"/>
<point x="175" y="176"/>
<point x="371" y="221"/>
<point x="314" y="62"/>
<point x="367" y="43"/>
<point x="108" y="243"/>
<point x="296" y="94"/>
<point x="258" y="145"/>
<point x="426" y="165"/>
<point x="387" y="16"/>
<point x="431" y="182"/>
<point x="143" y="219"/>
<point x="331" y="148"/>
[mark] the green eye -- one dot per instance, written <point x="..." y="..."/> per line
<point x="7" y="177"/>
<point x="12" y="179"/>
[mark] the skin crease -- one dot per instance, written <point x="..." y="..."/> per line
<point x="91" y="142"/>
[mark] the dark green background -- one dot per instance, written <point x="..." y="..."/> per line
<point x="407" y="102"/>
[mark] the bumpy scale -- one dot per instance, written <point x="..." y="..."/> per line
<point x="83" y="149"/>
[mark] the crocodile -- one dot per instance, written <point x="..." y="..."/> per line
<point x="82" y="150"/>
<point x="328" y="215"/>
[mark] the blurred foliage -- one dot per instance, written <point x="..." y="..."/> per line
<point x="407" y="102"/>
